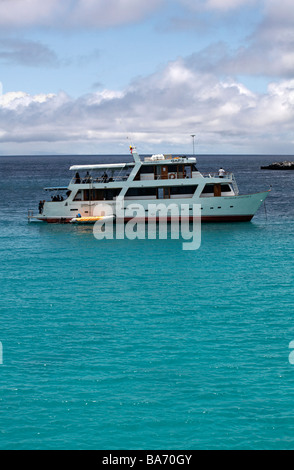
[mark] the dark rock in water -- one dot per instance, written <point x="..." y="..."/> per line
<point x="279" y="166"/>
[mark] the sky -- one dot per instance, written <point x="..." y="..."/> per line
<point x="93" y="76"/>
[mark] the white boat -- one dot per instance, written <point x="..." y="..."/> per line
<point x="158" y="179"/>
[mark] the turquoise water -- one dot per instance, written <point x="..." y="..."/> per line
<point x="139" y="344"/>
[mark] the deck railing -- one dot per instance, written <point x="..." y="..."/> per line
<point x="120" y="178"/>
<point x="99" y="180"/>
<point x="226" y="175"/>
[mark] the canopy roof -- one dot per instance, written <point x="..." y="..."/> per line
<point x="100" y="167"/>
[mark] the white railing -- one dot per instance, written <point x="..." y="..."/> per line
<point x="235" y="186"/>
<point x="227" y="175"/>
<point x="99" y="180"/>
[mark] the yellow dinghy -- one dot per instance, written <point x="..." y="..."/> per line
<point x="90" y="220"/>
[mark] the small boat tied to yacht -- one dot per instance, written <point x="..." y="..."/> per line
<point x="163" y="179"/>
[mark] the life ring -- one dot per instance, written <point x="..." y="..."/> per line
<point x="172" y="176"/>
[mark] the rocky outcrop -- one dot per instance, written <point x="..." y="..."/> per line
<point x="279" y="166"/>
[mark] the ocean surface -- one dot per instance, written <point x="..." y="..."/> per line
<point x="121" y="344"/>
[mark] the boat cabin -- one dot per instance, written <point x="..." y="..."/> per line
<point x="164" y="177"/>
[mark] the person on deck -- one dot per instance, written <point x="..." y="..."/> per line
<point x="221" y="173"/>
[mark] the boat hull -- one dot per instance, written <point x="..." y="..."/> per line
<point x="208" y="219"/>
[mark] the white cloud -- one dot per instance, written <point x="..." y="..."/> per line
<point x="229" y="4"/>
<point x="109" y="13"/>
<point x="103" y="13"/>
<point x="15" y="100"/>
<point x="103" y="96"/>
<point x="28" y="12"/>
<point x="159" y="112"/>
<point x="218" y="5"/>
<point x="276" y="108"/>
<point x="74" y="13"/>
<point x="279" y="10"/>
<point x="267" y="52"/>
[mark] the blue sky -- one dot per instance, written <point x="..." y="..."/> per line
<point x="80" y="76"/>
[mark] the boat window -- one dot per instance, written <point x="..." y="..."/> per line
<point x="111" y="194"/>
<point x="60" y="194"/>
<point x="87" y="195"/>
<point x="226" y="188"/>
<point x="78" y="196"/>
<point x="210" y="189"/>
<point x="97" y="195"/>
<point x="172" y="168"/>
<point x="147" y="169"/>
<point x="188" y="171"/>
<point x="176" y="190"/>
<point x="100" y="194"/>
<point x="163" y="193"/>
<point x="180" y="171"/>
<point x="141" y="192"/>
<point x="108" y="175"/>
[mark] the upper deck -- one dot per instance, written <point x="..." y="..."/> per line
<point x="154" y="170"/>
<point x="156" y="167"/>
